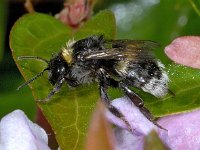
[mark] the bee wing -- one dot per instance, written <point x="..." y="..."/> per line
<point x="112" y="53"/>
<point x="125" y="50"/>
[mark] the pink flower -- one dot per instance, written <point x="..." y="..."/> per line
<point x="185" y="50"/>
<point x="73" y="14"/>
<point x="18" y="132"/>
<point x="183" y="129"/>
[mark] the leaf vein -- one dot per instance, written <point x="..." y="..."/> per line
<point x="76" y="121"/>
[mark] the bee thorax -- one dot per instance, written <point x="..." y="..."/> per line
<point x="82" y="75"/>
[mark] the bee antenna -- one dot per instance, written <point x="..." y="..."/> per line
<point x="32" y="79"/>
<point x="33" y="57"/>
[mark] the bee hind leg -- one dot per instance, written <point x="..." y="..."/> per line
<point x="103" y="85"/>
<point x="139" y="103"/>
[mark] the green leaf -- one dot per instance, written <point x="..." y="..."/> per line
<point x="196" y="5"/>
<point x="185" y="84"/>
<point x="41" y="35"/>
<point x="69" y="112"/>
<point x="102" y="26"/>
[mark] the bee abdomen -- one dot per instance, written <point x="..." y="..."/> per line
<point x="148" y="75"/>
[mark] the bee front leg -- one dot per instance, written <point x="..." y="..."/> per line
<point x="103" y="84"/>
<point x="139" y="103"/>
<point x="56" y="89"/>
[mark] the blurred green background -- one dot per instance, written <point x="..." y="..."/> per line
<point x="158" y="20"/>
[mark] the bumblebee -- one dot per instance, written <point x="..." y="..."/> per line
<point x="112" y="63"/>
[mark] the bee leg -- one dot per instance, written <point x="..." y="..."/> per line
<point x="139" y="103"/>
<point x="103" y="84"/>
<point x="56" y="89"/>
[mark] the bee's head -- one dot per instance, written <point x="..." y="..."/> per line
<point x="58" y="68"/>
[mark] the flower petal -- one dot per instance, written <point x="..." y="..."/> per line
<point x="185" y="50"/>
<point x="183" y="131"/>
<point x="138" y="122"/>
<point x="75" y="12"/>
<point x="18" y="132"/>
<point x="127" y="141"/>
